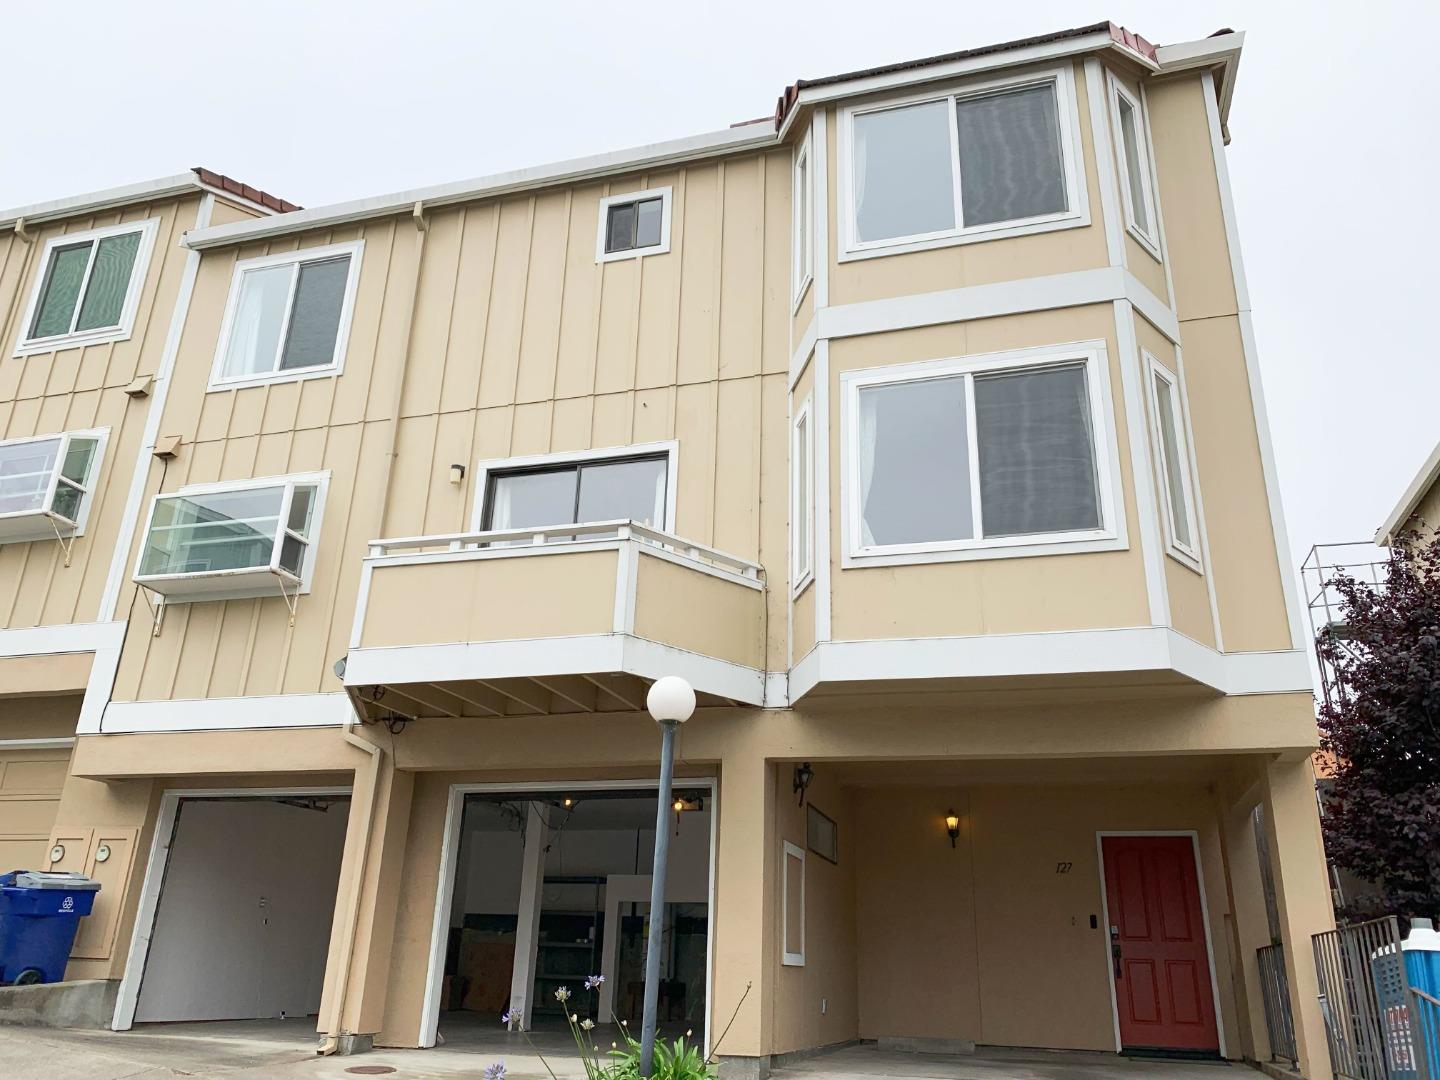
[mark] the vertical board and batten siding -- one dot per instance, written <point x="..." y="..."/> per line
<point x="520" y="343"/>
<point x="1244" y="563"/>
<point x="78" y="388"/>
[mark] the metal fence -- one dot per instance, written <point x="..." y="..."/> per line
<point x="1376" y="1027"/>
<point x="1275" y="993"/>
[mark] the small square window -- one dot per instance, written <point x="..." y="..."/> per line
<point x="288" y="316"/>
<point x="88" y="288"/>
<point x="634" y="224"/>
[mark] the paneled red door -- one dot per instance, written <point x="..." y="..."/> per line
<point x="1157" y="939"/>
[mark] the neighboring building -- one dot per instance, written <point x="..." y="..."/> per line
<point x="918" y="426"/>
<point x="93" y="289"/>
<point x="1419" y="507"/>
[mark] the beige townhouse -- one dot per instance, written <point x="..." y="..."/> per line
<point x="919" y="427"/>
<point x="92" y="288"/>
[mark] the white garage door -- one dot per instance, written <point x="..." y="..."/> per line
<point x="243" y="923"/>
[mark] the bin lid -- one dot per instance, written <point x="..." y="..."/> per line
<point x="68" y="880"/>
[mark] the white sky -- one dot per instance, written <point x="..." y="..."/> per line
<point x="1334" y="158"/>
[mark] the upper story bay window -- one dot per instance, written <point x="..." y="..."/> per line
<point x="632" y="484"/>
<point x="979" y="457"/>
<point x="46" y="485"/>
<point x="633" y="224"/>
<point x="1168" y="431"/>
<point x="993" y="159"/>
<point x="288" y="316"/>
<point x="803" y="202"/>
<point x="88" y="288"/>
<point x="226" y="541"/>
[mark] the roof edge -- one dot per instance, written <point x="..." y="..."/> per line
<point x="1422" y="482"/>
<point x="105" y="199"/>
<point x="754" y="135"/>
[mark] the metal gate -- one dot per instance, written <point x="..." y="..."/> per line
<point x="1275" y="993"/>
<point x="1374" y="1025"/>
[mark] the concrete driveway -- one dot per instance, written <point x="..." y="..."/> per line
<point x="285" y="1050"/>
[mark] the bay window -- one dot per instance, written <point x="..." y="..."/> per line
<point x="1001" y="452"/>
<point x="46" y="485"/>
<point x="1173" y="450"/>
<point x="1133" y="147"/>
<point x="232" y="540"/>
<point x="991" y="159"/>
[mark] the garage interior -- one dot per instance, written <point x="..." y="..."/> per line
<point x="242" y="927"/>
<point x="551" y="888"/>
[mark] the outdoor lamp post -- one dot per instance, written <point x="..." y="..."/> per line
<point x="671" y="702"/>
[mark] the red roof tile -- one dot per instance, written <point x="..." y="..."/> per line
<point x="245" y="191"/>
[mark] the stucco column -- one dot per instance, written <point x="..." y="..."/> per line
<point x="745" y="869"/>
<point x="375" y="935"/>
<point x="1251" y="924"/>
<point x="1302" y="894"/>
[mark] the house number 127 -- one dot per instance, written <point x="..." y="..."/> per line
<point x="1063" y="867"/>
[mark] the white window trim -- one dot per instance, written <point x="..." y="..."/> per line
<point x="1068" y="120"/>
<point x="670" y="448"/>
<point x="802" y="246"/>
<point x="802" y="561"/>
<point x="27" y="346"/>
<point x="664" y="194"/>
<point x="219" y="381"/>
<point x="321" y="480"/>
<point x="789" y="957"/>
<point x="1188" y="554"/>
<point x="102" y="436"/>
<point x="1150" y="240"/>
<point x="1111" y="536"/>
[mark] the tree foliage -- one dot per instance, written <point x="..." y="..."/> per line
<point x="1382" y="726"/>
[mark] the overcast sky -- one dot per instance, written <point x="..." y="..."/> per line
<point x="1334" y="158"/>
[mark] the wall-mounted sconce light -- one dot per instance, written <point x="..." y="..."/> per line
<point x="568" y="803"/>
<point x="952" y="826"/>
<point x="803" y="775"/>
<point x="457" y="474"/>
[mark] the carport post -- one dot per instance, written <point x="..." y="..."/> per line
<point x="671" y="702"/>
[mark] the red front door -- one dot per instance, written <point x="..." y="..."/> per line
<point x="1157" y="938"/>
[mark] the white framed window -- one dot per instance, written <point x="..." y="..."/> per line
<point x="88" y="287"/>
<point x="288" y="316"/>
<point x="234" y="540"/>
<point x="47" y="484"/>
<point x="802" y="200"/>
<point x="999" y="157"/>
<point x="625" y="483"/>
<point x="980" y="457"/>
<point x="792" y="905"/>
<point x="1172" y="447"/>
<point x="633" y="224"/>
<point x="1137" y="184"/>
<point x="802" y="499"/>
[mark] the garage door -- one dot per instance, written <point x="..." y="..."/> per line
<point x="30" y="783"/>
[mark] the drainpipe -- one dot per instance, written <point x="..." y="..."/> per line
<point x="336" y="1019"/>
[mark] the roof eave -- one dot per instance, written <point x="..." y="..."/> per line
<point x="1423" y="481"/>
<point x="1220" y="53"/>
<point x="95" y="201"/>
<point x="1096" y="41"/>
<point x="757" y="135"/>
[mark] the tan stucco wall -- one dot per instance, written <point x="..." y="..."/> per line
<point x="1242" y="547"/>
<point x="986" y="941"/>
<point x="81" y="388"/>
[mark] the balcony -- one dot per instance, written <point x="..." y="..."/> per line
<point x="563" y="619"/>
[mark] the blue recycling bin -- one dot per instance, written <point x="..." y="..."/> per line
<point x="39" y="914"/>
<point x="1421" y="949"/>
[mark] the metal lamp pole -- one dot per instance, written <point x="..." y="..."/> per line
<point x="671" y="702"/>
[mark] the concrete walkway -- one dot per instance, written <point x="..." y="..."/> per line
<point x="285" y="1050"/>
